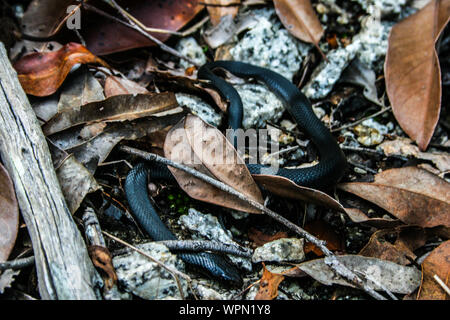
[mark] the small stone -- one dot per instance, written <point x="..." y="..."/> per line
<point x="284" y="249"/>
<point x="190" y="48"/>
<point x="208" y="226"/>
<point x="147" y="279"/>
<point x="200" y="108"/>
<point x="205" y="293"/>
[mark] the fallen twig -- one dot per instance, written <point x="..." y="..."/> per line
<point x="337" y="266"/>
<point x="362" y="119"/>
<point x="17" y="264"/>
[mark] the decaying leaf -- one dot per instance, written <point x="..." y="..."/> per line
<point x="219" y="8"/>
<point x="115" y="86"/>
<point x="104" y="36"/>
<point x="115" y="108"/>
<point x="284" y="187"/>
<point x="437" y="263"/>
<point x="407" y="239"/>
<point x="413" y="195"/>
<point x="7" y="278"/>
<point x="413" y="76"/>
<point x="259" y="238"/>
<point x="268" y="285"/>
<point x="404" y="147"/>
<point x="204" y="148"/>
<point x="359" y="74"/>
<point x="299" y="18"/>
<point x="9" y="215"/>
<point x="323" y="231"/>
<point x="358" y="216"/>
<point x="380" y="274"/>
<point x="101" y="258"/>
<point x="42" y="73"/>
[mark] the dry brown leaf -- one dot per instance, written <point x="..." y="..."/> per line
<point x="218" y="8"/>
<point x="437" y="263"/>
<point x="101" y="258"/>
<point x="407" y="239"/>
<point x="104" y="36"/>
<point x="268" y="285"/>
<point x="115" y="108"/>
<point x="299" y="18"/>
<point x="358" y="216"/>
<point x="42" y="73"/>
<point x="413" y="195"/>
<point x="9" y="215"/>
<point x="178" y="148"/>
<point x="413" y="76"/>
<point x="284" y="187"/>
<point x="115" y="86"/>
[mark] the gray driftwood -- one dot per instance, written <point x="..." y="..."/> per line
<point x="64" y="268"/>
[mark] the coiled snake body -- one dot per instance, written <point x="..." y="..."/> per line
<point x="323" y="175"/>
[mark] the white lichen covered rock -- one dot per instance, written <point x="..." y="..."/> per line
<point x="200" y="108"/>
<point x="190" y="48"/>
<point x="146" y="279"/>
<point x="268" y="44"/>
<point x="260" y="105"/>
<point x="383" y="7"/>
<point x="207" y="226"/>
<point x="369" y="45"/>
<point x="280" y="250"/>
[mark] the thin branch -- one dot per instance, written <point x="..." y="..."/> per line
<point x="442" y="284"/>
<point x="336" y="265"/>
<point x="17" y="264"/>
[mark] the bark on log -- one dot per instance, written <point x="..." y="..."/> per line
<point x="64" y="268"/>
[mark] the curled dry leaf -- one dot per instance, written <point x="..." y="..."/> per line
<point x="104" y="36"/>
<point x="9" y="215"/>
<point x="413" y="195"/>
<point x="268" y="285"/>
<point x="437" y="263"/>
<point x="220" y="8"/>
<point x="42" y="73"/>
<point x="413" y="76"/>
<point x="115" y="108"/>
<point x="380" y="274"/>
<point x="202" y="147"/>
<point x="259" y="238"/>
<point x="407" y="239"/>
<point x="299" y="18"/>
<point x="101" y="258"/>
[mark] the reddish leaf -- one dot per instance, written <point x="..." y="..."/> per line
<point x="413" y="195"/>
<point x="42" y="73"/>
<point x="104" y="36"/>
<point x="115" y="86"/>
<point x="9" y="215"/>
<point x="323" y="231"/>
<point x="268" y="285"/>
<point x="219" y="8"/>
<point x="259" y="238"/>
<point x="437" y="263"/>
<point x="202" y="147"/>
<point x="299" y="18"/>
<point x="413" y="76"/>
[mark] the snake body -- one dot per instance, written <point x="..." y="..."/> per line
<point x="320" y="176"/>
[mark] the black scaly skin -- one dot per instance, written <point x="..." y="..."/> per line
<point x="145" y="214"/>
<point x="332" y="160"/>
<point x="321" y="176"/>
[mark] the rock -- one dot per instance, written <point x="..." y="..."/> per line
<point x="147" y="279"/>
<point x="383" y="7"/>
<point x="207" y="226"/>
<point x="205" y="293"/>
<point x="268" y="44"/>
<point x="190" y="48"/>
<point x="200" y="108"/>
<point x="369" y="45"/>
<point x="280" y="250"/>
<point x="260" y="105"/>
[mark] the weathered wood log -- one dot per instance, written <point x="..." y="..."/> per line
<point x="64" y="268"/>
